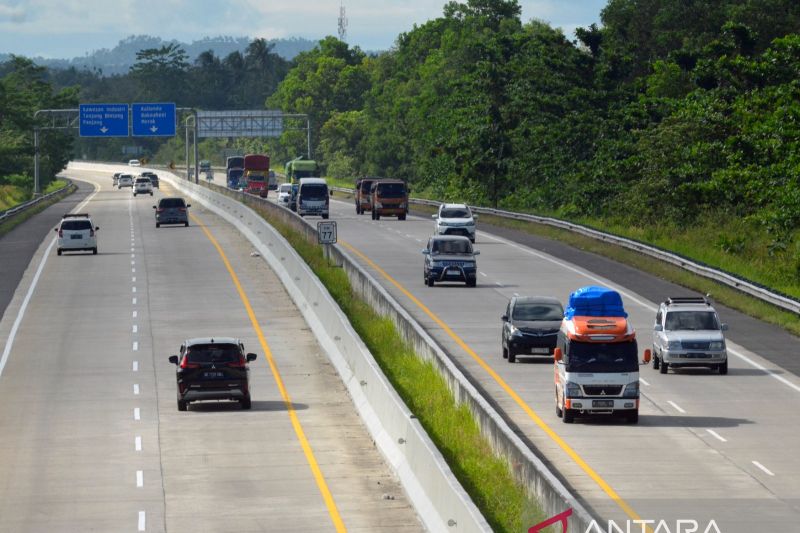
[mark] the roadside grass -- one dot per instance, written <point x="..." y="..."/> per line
<point x="11" y="195"/>
<point x="16" y="220"/>
<point x="486" y="477"/>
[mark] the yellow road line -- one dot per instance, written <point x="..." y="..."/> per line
<point x="298" y="429"/>
<point x="500" y="381"/>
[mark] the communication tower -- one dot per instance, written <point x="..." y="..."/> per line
<point x="342" y="23"/>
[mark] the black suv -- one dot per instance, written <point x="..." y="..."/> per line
<point x="172" y="210"/>
<point x="530" y="326"/>
<point x="212" y="369"/>
<point x="153" y="178"/>
<point x="449" y="258"/>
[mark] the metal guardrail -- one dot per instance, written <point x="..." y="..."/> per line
<point x="756" y="290"/>
<point x="8" y="213"/>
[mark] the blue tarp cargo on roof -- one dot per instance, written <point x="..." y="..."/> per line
<point x="595" y="301"/>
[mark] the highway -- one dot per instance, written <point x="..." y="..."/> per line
<point x="91" y="437"/>
<point x="707" y="448"/>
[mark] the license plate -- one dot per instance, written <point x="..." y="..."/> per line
<point x="213" y="374"/>
<point x="602" y="403"/>
<point x="454" y="273"/>
<point x="76" y="237"/>
<point x="540" y="350"/>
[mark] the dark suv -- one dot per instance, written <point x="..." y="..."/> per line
<point x="450" y="258"/>
<point x="213" y="369"/>
<point x="530" y="326"/>
<point x="153" y="177"/>
<point x="172" y="210"/>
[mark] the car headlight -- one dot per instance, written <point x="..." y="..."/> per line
<point x="515" y="332"/>
<point x="674" y="345"/>
<point x="716" y="345"/>
<point x="443" y="223"/>
<point x="573" y="390"/>
<point x="436" y="264"/>
<point x="468" y="264"/>
<point x="631" y="390"/>
<point x="470" y="223"/>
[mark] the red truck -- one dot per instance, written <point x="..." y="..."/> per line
<point x="256" y="171"/>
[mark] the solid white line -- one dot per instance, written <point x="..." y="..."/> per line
<point x="717" y="435"/>
<point x="765" y="369"/>
<point x="644" y="381"/>
<point x="676" y="406"/>
<point x="136" y="388"/>
<point x="135" y="328"/>
<point x="764" y="468"/>
<point x="138" y="443"/>
<point x="17" y="321"/>
<point x="133" y="301"/>
<point x="141" y="521"/>
<point x="135" y="314"/>
<point x="139" y="479"/>
<point x="135" y="366"/>
<point x="135" y="346"/>
<point x="137" y="414"/>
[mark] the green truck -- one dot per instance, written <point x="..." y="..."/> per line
<point x="301" y="168"/>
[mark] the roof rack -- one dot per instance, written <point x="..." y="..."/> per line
<point x="76" y="215"/>
<point x="687" y="300"/>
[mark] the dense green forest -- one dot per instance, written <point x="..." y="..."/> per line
<point x="670" y="116"/>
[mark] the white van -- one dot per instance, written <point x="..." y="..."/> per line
<point x="313" y="197"/>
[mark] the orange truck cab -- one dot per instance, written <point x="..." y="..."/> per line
<point x="389" y="198"/>
<point x="596" y="358"/>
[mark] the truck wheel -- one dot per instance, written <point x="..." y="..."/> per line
<point x="472" y="283"/>
<point x="569" y="416"/>
<point x="559" y="412"/>
<point x="158" y="225"/>
<point x="655" y="360"/>
<point x="58" y="251"/>
<point x="664" y="367"/>
<point x="430" y="282"/>
<point x="723" y="368"/>
<point x="182" y="405"/>
<point x="377" y="216"/>
<point x="401" y="217"/>
<point x="245" y="403"/>
<point x="94" y="250"/>
<point x="632" y="418"/>
<point x="505" y="352"/>
<point x="325" y="217"/>
<point x="512" y="357"/>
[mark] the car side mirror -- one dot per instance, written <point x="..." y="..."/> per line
<point x="188" y="205"/>
<point x="331" y="192"/>
<point x="251" y="357"/>
<point x="173" y="359"/>
<point x="658" y="327"/>
<point x="504" y="318"/>
<point x="647" y="357"/>
<point x="724" y="327"/>
<point x="154" y="207"/>
<point x="424" y="252"/>
<point x="55" y="229"/>
<point x="434" y="217"/>
<point x="476" y="252"/>
<point x="558" y="355"/>
<point x="96" y="228"/>
<point x="474" y="216"/>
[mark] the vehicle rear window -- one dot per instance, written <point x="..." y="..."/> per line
<point x="365" y="186"/>
<point x="392" y="190"/>
<point x="213" y="353"/>
<point x="286" y="188"/>
<point x="314" y="191"/>
<point x="172" y="202"/>
<point x="142" y="180"/>
<point x="75" y="225"/>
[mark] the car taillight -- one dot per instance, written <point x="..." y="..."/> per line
<point x="182" y="209"/>
<point x="60" y="233"/>
<point x="241" y="363"/>
<point x="159" y="210"/>
<point x="91" y="233"/>
<point x="186" y="364"/>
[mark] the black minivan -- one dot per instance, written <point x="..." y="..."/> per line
<point x="172" y="210"/>
<point x="212" y="368"/>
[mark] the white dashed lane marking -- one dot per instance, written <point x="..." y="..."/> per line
<point x="676" y="406"/>
<point x="763" y="468"/>
<point x="137" y="413"/>
<point x="716" y="435"/>
<point x="139" y="479"/>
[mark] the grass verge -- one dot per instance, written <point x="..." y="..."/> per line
<point x="16" y="220"/>
<point x="486" y="477"/>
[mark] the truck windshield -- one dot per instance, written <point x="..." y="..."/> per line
<point x="391" y="190"/>
<point x="314" y="191"/>
<point x="602" y="357"/>
<point x="692" y="320"/>
<point x="303" y="174"/>
<point x="255" y="178"/>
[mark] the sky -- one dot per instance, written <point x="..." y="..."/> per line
<point x="70" y="28"/>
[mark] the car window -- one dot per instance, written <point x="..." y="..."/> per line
<point x="171" y="202"/>
<point x="452" y="247"/>
<point x="76" y="225"/>
<point x="691" y="320"/>
<point x="314" y="191"/>
<point x="391" y="190"/>
<point x="537" y="311"/>
<point x="365" y="186"/>
<point x="213" y="353"/>
<point x="457" y="212"/>
<point x="142" y="180"/>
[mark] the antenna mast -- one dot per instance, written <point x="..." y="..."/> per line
<point x="342" y="23"/>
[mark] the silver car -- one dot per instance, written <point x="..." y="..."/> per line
<point x="125" y="180"/>
<point x="172" y="210"/>
<point x="688" y="333"/>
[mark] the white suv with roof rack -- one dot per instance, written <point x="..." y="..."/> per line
<point x="455" y="219"/>
<point x="76" y="232"/>
<point x="688" y="333"/>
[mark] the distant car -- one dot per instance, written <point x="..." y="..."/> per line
<point x="688" y="333"/>
<point x="134" y="163"/>
<point x="153" y="177"/>
<point x="142" y="186"/>
<point x="115" y="178"/>
<point x="172" y="210"/>
<point x="455" y="219"/>
<point x="450" y="258"/>
<point x="284" y="193"/>
<point x="125" y="180"/>
<point x="530" y="326"/>
<point x="272" y="181"/>
<point x="76" y="232"/>
<point x="293" y="196"/>
<point x="212" y="368"/>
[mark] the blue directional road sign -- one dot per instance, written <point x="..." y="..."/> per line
<point x="151" y="120"/>
<point x="103" y="120"/>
